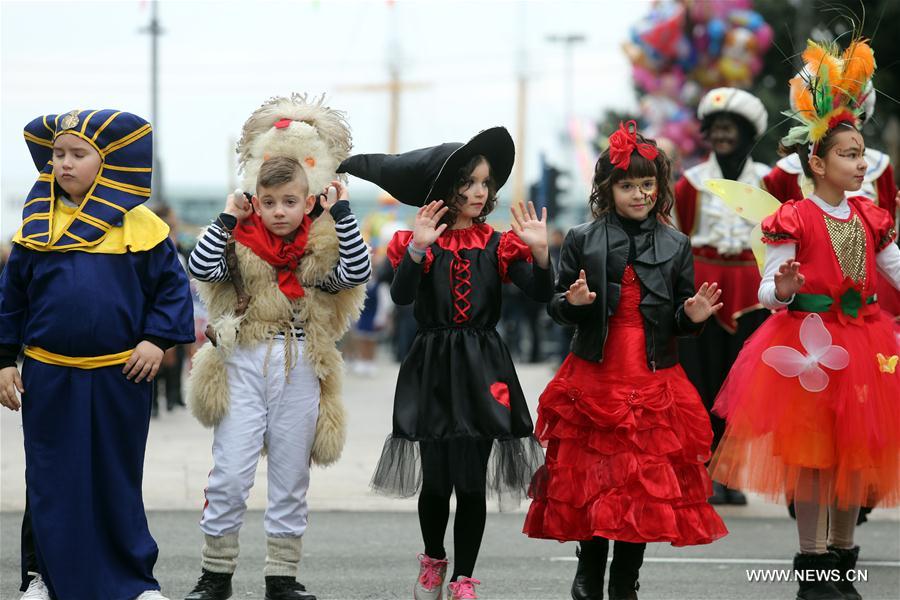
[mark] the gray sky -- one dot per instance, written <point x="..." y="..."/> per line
<point x="220" y="60"/>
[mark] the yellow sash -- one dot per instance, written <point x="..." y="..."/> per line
<point x="79" y="362"/>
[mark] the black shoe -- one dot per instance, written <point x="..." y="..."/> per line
<point x="211" y="586"/>
<point x="735" y="497"/>
<point x="817" y="589"/>
<point x="285" y="588"/>
<point x="588" y="582"/>
<point x="720" y="494"/>
<point x="624" y="570"/>
<point x="846" y="563"/>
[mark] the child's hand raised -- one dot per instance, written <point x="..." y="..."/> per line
<point x="333" y="193"/>
<point x="144" y="362"/>
<point x="237" y="205"/>
<point x="10" y="383"/>
<point x="578" y="293"/>
<point x="531" y="230"/>
<point x="788" y="280"/>
<point x="702" y="305"/>
<point x="426" y="229"/>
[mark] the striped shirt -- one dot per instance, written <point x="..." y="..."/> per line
<point x="354" y="267"/>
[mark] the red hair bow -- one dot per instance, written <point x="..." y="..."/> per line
<point x="623" y="142"/>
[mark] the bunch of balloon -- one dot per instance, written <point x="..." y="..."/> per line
<point x="681" y="49"/>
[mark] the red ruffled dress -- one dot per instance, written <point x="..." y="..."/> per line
<point x="626" y="446"/>
<point x="818" y="386"/>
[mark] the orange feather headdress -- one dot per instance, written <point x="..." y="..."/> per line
<point x="829" y="90"/>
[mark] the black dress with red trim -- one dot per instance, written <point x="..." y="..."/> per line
<point x="626" y="446"/>
<point x="458" y="385"/>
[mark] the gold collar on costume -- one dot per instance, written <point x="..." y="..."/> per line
<point x="124" y="142"/>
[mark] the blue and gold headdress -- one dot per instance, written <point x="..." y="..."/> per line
<point x="125" y="144"/>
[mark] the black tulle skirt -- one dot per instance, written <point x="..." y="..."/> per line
<point x="458" y="397"/>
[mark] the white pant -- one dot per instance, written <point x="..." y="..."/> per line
<point x="271" y="409"/>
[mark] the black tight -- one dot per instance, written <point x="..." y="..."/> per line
<point x="440" y="475"/>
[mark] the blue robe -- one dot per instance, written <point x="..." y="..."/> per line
<point x="86" y="430"/>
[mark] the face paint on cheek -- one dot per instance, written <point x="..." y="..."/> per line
<point x="649" y="199"/>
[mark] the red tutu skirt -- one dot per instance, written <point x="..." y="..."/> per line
<point x="626" y="447"/>
<point x="824" y="401"/>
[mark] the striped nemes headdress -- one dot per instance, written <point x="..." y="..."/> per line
<point x="832" y="88"/>
<point x="125" y="144"/>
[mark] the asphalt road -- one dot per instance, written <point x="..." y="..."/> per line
<point x="371" y="555"/>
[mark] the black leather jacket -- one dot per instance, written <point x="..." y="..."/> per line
<point x="665" y="267"/>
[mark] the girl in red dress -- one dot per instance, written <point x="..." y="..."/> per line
<point x="813" y="400"/>
<point x="626" y="433"/>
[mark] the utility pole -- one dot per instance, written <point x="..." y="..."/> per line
<point x="394" y="86"/>
<point x="521" y="108"/>
<point x="155" y="31"/>
<point x="568" y="41"/>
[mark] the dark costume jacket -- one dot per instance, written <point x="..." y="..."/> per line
<point x="663" y="264"/>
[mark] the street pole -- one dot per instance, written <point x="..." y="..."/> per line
<point x="568" y="41"/>
<point x="521" y="109"/>
<point x="155" y="31"/>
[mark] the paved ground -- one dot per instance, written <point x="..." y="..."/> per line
<point x="371" y="555"/>
<point x="363" y="546"/>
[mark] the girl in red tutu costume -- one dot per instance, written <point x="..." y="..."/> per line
<point x="626" y="433"/>
<point x="813" y="400"/>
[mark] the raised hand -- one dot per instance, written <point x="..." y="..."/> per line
<point x="532" y="230"/>
<point x="702" y="305"/>
<point x="333" y="192"/>
<point x="578" y="293"/>
<point x="788" y="280"/>
<point x="425" y="228"/>
<point x="237" y="205"/>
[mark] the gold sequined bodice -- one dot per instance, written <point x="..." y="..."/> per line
<point x="848" y="238"/>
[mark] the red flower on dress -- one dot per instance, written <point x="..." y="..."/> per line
<point x="624" y="141"/>
<point x="847" y="301"/>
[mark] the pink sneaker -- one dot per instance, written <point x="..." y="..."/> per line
<point x="431" y="578"/>
<point x="463" y="588"/>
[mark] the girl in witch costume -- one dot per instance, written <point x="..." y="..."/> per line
<point x="90" y="357"/>
<point x="830" y="436"/>
<point x="627" y="435"/>
<point x="732" y="120"/>
<point x="460" y="418"/>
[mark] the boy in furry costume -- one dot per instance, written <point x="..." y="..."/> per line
<point x="273" y="378"/>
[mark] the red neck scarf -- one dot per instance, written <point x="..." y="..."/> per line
<point x="284" y="256"/>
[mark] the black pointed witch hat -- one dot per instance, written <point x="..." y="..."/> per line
<point x="420" y="176"/>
